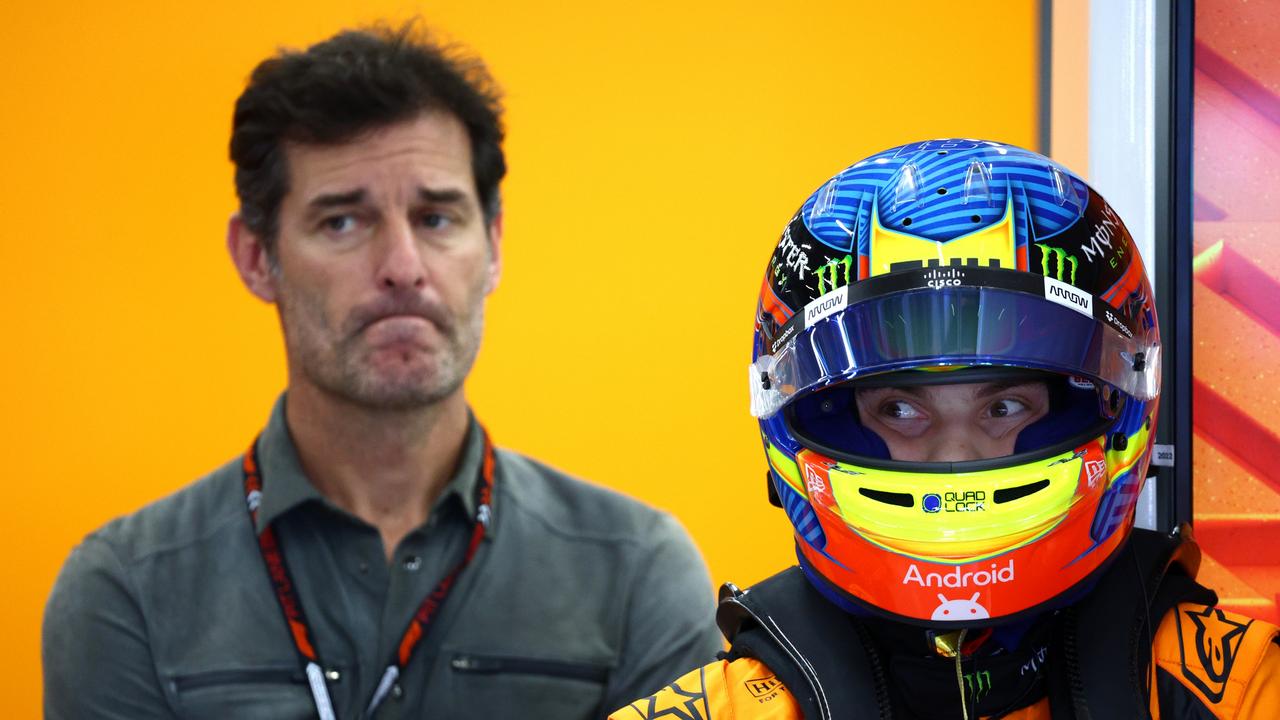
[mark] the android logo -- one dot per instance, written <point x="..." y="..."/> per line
<point x="960" y="609"/>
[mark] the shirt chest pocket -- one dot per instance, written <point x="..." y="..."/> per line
<point x="511" y="686"/>
<point x="279" y="693"/>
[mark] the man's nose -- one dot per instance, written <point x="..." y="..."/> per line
<point x="400" y="263"/>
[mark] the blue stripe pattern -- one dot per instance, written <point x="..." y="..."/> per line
<point x="839" y="213"/>
<point x="1116" y="507"/>
<point x="800" y="513"/>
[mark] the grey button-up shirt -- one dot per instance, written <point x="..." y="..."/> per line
<point x="578" y="601"/>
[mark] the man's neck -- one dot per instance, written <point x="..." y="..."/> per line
<point x="386" y="467"/>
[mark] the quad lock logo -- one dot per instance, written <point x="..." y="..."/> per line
<point x="955" y="501"/>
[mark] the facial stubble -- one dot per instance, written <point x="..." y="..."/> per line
<point x="337" y="361"/>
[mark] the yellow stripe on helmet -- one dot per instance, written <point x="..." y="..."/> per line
<point x="785" y="467"/>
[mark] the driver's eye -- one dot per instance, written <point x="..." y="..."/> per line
<point x="900" y="410"/>
<point x="1006" y="408"/>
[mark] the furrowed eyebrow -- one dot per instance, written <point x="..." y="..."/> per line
<point x="441" y="197"/>
<point x="330" y="200"/>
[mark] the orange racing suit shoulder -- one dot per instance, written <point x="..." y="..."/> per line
<point x="723" y="690"/>
<point x="1208" y="662"/>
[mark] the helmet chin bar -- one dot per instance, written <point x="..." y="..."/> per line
<point x="994" y="542"/>
<point x="860" y="608"/>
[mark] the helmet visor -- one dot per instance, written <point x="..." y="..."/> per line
<point x="955" y="326"/>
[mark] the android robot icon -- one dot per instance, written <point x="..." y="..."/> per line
<point x="959" y="610"/>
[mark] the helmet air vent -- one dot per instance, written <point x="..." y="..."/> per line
<point x="977" y="184"/>
<point x="1063" y="188"/>
<point x="888" y="498"/>
<point x="908" y="186"/>
<point x="826" y="200"/>
<point x="1014" y="493"/>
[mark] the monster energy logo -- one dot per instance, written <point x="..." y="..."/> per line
<point x="829" y="274"/>
<point x="978" y="683"/>
<point x="1063" y="258"/>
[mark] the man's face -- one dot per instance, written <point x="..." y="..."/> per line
<point x="952" y="423"/>
<point x="383" y="262"/>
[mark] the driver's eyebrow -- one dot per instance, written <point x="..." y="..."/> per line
<point x="996" y="388"/>
<point x="913" y="390"/>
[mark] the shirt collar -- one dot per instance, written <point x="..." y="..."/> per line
<point x="285" y="485"/>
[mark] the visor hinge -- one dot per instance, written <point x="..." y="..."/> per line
<point x="1139" y="362"/>
<point x="764" y="381"/>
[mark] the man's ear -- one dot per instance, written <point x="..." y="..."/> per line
<point x="495" y="254"/>
<point x="250" y="257"/>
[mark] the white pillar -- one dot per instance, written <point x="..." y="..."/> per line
<point x="1122" y="135"/>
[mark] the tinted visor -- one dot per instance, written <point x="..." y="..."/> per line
<point x="953" y="326"/>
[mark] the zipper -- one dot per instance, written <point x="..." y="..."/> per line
<point x="182" y="683"/>
<point x="491" y="664"/>
<point x="877" y="671"/>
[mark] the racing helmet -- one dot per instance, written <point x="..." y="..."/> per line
<point x="953" y="261"/>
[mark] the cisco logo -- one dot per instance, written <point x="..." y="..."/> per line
<point x="938" y="279"/>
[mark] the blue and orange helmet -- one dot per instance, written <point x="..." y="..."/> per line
<point x="956" y="261"/>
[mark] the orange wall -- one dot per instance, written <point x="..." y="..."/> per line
<point x="655" y="152"/>
<point x="1069" y="104"/>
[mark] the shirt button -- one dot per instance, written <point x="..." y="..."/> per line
<point x="364" y="568"/>
<point x="412" y="563"/>
<point x="397" y="692"/>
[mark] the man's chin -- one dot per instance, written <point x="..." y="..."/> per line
<point x="404" y="388"/>
<point x="399" y="398"/>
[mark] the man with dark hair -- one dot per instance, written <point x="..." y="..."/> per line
<point x="372" y="554"/>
